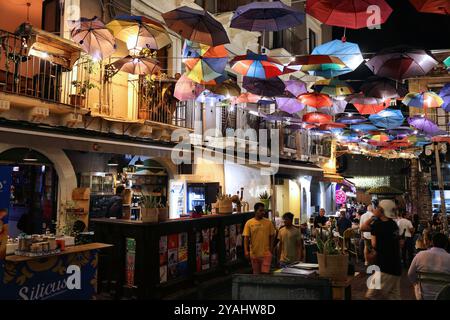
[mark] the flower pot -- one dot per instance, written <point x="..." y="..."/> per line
<point x="225" y="206"/>
<point x="163" y="214"/>
<point x="149" y="214"/>
<point x="334" y="267"/>
<point x="77" y="100"/>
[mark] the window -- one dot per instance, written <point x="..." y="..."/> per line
<point x="51" y="16"/>
<point x="312" y="40"/>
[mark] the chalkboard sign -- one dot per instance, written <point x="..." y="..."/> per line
<point x="280" y="287"/>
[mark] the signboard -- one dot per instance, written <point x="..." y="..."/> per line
<point x="341" y="196"/>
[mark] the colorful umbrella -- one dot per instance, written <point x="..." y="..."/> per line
<point x="337" y="107"/>
<point x="423" y="100"/>
<point x="333" y="87"/>
<point x="316" y="63"/>
<point x="401" y="132"/>
<point x="290" y="105"/>
<point x="432" y="6"/>
<point x="247" y="97"/>
<point x="348" y="52"/>
<point x="227" y="89"/>
<point x="139" y="32"/>
<point x="215" y="81"/>
<point x="388" y="119"/>
<point x="368" y="105"/>
<point x="257" y="66"/>
<point x="196" y="25"/>
<point x="445" y="95"/>
<point x="268" y="88"/>
<point x="137" y="65"/>
<point x="317" y="118"/>
<point x="365" y="127"/>
<point x="348" y="137"/>
<point x="332" y="126"/>
<point x="400" y="63"/>
<point x="295" y="87"/>
<point x="204" y="63"/>
<point x="424" y="124"/>
<point x="186" y="89"/>
<point x="382" y="88"/>
<point x="93" y="37"/>
<point x="281" y="116"/>
<point x="266" y="16"/>
<point x="315" y="100"/>
<point x="351" y="119"/>
<point x="353" y="14"/>
<point x="447" y="62"/>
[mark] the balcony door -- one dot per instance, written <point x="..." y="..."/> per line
<point x="51" y="16"/>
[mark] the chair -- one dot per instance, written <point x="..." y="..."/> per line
<point x="348" y="236"/>
<point x="437" y="279"/>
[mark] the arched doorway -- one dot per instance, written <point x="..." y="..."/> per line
<point x="32" y="191"/>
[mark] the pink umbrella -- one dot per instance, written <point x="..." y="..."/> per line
<point x="290" y="105"/>
<point x="186" y="89"/>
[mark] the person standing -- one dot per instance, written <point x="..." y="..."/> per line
<point x="406" y="228"/>
<point x="290" y="245"/>
<point x="366" y="235"/>
<point x="258" y="240"/>
<point x="343" y="223"/>
<point x="321" y="219"/>
<point x="385" y="251"/>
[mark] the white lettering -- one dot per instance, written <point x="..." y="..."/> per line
<point x="74" y="280"/>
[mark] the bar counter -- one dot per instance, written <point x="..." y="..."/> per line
<point x="152" y="260"/>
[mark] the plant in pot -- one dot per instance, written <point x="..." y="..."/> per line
<point x="78" y="99"/>
<point x="264" y="198"/>
<point x="149" y="208"/>
<point x="333" y="264"/>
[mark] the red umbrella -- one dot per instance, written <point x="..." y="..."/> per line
<point x="432" y="6"/>
<point x="247" y="97"/>
<point x="317" y="118"/>
<point x="316" y="100"/>
<point x="353" y="14"/>
<point x="332" y="125"/>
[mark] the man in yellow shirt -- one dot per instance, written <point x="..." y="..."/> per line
<point x="258" y="240"/>
<point x="290" y="245"/>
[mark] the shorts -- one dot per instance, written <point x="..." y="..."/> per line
<point x="261" y="264"/>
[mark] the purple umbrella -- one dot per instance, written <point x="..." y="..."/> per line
<point x="401" y="132"/>
<point x="423" y="124"/>
<point x="445" y="95"/>
<point x="269" y="88"/>
<point x="290" y="105"/>
<point x="295" y="87"/>
<point x="266" y="16"/>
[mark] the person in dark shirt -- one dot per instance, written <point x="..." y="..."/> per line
<point x="343" y="223"/>
<point x="115" y="208"/>
<point x="320" y="220"/>
<point x="385" y="252"/>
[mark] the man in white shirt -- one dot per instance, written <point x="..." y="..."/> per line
<point x="434" y="260"/>
<point x="406" y="228"/>
<point x="366" y="235"/>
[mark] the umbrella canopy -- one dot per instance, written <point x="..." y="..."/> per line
<point x="351" y="119"/>
<point x="215" y="81"/>
<point x="257" y="66"/>
<point x="447" y="62"/>
<point x="348" y="52"/>
<point x="432" y="6"/>
<point x="93" y="37"/>
<point x="269" y="88"/>
<point x="316" y="63"/>
<point x="401" y="63"/>
<point x="388" y="119"/>
<point x="204" y="63"/>
<point x="315" y="100"/>
<point x="445" y="95"/>
<point x="137" y="65"/>
<point x="196" y="25"/>
<point x="186" y="89"/>
<point x="383" y="88"/>
<point x="353" y="14"/>
<point x="317" y="118"/>
<point x="348" y="136"/>
<point x="401" y="132"/>
<point x="368" y="105"/>
<point x="332" y="126"/>
<point x="281" y="116"/>
<point x="247" y="97"/>
<point x="365" y="127"/>
<point x="295" y="87"/>
<point x="290" y="105"/>
<point x="209" y="97"/>
<point x="423" y="100"/>
<point x="227" y="89"/>
<point x="139" y="32"/>
<point x="337" y="107"/>
<point x="333" y="87"/>
<point x="266" y="16"/>
<point x="424" y="124"/>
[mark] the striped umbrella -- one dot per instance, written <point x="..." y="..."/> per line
<point x="257" y="66"/>
<point x="423" y="100"/>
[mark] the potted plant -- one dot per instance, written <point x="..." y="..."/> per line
<point x="149" y="208"/>
<point x="78" y="99"/>
<point x="333" y="264"/>
<point x="264" y="198"/>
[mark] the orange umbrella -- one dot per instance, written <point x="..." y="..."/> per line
<point x="332" y="125"/>
<point x="317" y="118"/>
<point x="364" y="108"/>
<point x="316" y="100"/>
<point x="248" y="97"/>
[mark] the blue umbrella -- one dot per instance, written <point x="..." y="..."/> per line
<point x="351" y="119"/>
<point x="348" y="52"/>
<point x="348" y="136"/>
<point x="363" y="127"/>
<point x="388" y="118"/>
<point x="445" y="95"/>
<point x="266" y="16"/>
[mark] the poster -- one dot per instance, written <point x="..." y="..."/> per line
<point x="130" y="257"/>
<point x="172" y="241"/>
<point x="163" y="250"/>
<point x="205" y="249"/>
<point x="163" y="274"/>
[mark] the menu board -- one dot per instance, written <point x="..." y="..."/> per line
<point x="207" y="255"/>
<point x="173" y="256"/>
<point x="233" y="242"/>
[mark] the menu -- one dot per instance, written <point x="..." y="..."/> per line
<point x="207" y="255"/>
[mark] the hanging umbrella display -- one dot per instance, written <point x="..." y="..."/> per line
<point x="333" y="87"/>
<point x="209" y="97"/>
<point x="401" y="132"/>
<point x="316" y="63"/>
<point x="317" y="118"/>
<point x="215" y="81"/>
<point x="247" y="97"/>
<point x="353" y="14"/>
<point x="281" y="116"/>
<point x="290" y="105"/>
<point x="139" y="32"/>
<point x="368" y="105"/>
<point x="348" y="137"/>
<point x="268" y="88"/>
<point x="364" y="127"/>
<point x="424" y="124"/>
<point x="446" y="62"/>
<point x="441" y="138"/>
<point x="348" y="52"/>
<point x="315" y="100"/>
<point x="266" y="16"/>
<point x="338" y="106"/>
<point x="257" y="66"/>
<point x="423" y="100"/>
<point x="383" y="88"/>
<point x="196" y="25"/>
<point x="137" y="65"/>
<point x="93" y="36"/>
<point x="388" y="119"/>
<point x="432" y="6"/>
<point x="378" y="137"/>
<point x="227" y="89"/>
<point x="204" y="63"/>
<point x="295" y="87"/>
<point x="332" y="126"/>
<point x="351" y="118"/>
<point x="400" y="63"/>
<point x="445" y="95"/>
<point x="186" y="89"/>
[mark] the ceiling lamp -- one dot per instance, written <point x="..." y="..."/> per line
<point x="29" y="157"/>
<point x="112" y="163"/>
